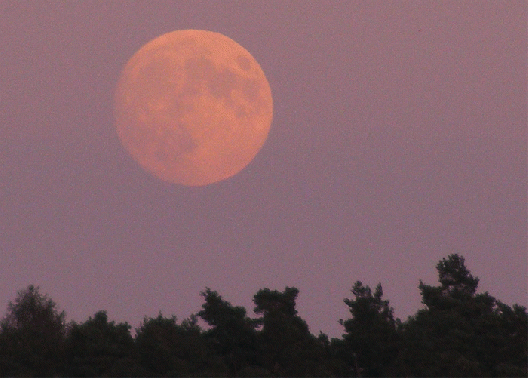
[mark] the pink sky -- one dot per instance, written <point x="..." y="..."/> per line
<point x="399" y="137"/>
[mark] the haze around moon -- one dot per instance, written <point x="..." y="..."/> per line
<point x="193" y="107"/>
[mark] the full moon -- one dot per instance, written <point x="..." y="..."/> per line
<point x="193" y="107"/>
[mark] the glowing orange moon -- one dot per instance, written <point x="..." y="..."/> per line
<point x="193" y="107"/>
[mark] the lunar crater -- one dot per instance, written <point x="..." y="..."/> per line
<point x="243" y="62"/>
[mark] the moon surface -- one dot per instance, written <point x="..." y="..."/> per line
<point x="193" y="107"/>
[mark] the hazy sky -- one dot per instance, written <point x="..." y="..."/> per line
<point x="398" y="138"/>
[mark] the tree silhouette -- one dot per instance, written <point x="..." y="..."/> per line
<point x="98" y="347"/>
<point x="371" y="338"/>
<point x="166" y="348"/>
<point x="31" y="336"/>
<point x="457" y="333"/>
<point x="461" y="333"/>
<point x="232" y="334"/>
<point x="288" y="347"/>
<point x="456" y="284"/>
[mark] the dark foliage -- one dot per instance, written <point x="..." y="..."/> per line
<point x="98" y="348"/>
<point x="232" y="335"/>
<point x="371" y="338"/>
<point x="287" y="346"/>
<point x="461" y="333"/>
<point x="457" y="333"/>
<point x="165" y="348"/>
<point x="31" y="336"/>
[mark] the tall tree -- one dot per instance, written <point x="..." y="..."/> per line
<point x="461" y="333"/>
<point x="288" y="347"/>
<point x="371" y="339"/>
<point x="457" y="285"/>
<point x="31" y="336"/>
<point x="232" y="334"/>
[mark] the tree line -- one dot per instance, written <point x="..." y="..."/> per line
<point x="457" y="333"/>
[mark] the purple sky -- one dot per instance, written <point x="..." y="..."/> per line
<point x="399" y="137"/>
